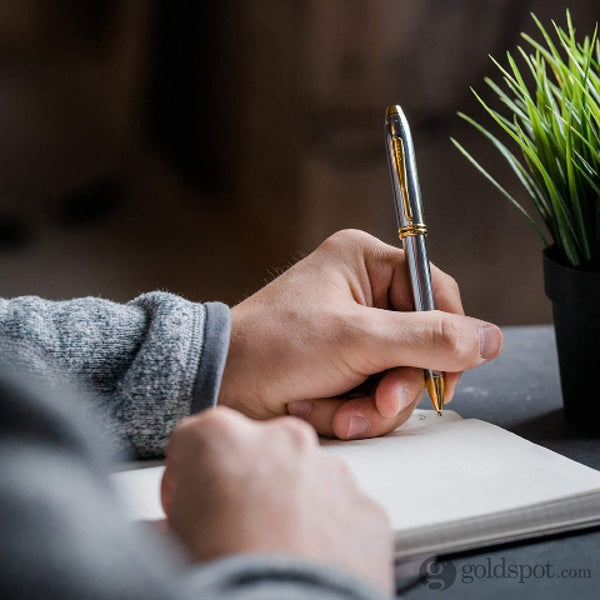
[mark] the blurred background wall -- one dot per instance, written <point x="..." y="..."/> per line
<point x="199" y="146"/>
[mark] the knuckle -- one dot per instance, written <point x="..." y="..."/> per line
<point x="301" y="433"/>
<point x="341" y="328"/>
<point x="346" y="238"/>
<point x="452" y="284"/>
<point x="346" y="472"/>
<point x="215" y="433"/>
<point x="378" y="513"/>
<point x="348" y="327"/>
<point x="447" y="334"/>
<point x="217" y="421"/>
<point x="186" y="435"/>
<point x="341" y="467"/>
<point x="185" y="428"/>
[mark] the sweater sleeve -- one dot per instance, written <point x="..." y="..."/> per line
<point x="149" y="362"/>
<point x="63" y="536"/>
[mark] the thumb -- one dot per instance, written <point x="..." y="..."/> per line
<point x="429" y="340"/>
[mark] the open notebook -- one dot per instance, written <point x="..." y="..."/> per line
<point x="447" y="484"/>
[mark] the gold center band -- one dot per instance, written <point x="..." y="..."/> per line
<point x="414" y="229"/>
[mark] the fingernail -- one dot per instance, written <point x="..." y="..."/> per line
<point x="403" y="400"/>
<point x="299" y="408"/>
<point x="357" y="426"/>
<point x="490" y="341"/>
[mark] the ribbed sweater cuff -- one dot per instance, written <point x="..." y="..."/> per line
<point x="215" y="345"/>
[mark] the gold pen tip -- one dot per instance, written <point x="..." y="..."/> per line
<point x="392" y="110"/>
<point x="435" y="387"/>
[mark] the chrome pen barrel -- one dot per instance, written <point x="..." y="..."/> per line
<point x="418" y="268"/>
<point x="412" y="229"/>
<point x="407" y="201"/>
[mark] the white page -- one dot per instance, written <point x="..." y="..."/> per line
<point x="431" y="470"/>
<point x="138" y="483"/>
<point x="139" y="491"/>
<point x="439" y="471"/>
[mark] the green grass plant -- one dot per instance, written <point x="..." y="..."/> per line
<point x="550" y="137"/>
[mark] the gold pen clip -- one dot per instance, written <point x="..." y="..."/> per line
<point x="400" y="159"/>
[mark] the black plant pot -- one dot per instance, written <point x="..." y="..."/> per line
<point x="575" y="296"/>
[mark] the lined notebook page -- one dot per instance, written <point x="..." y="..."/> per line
<point x="435" y="470"/>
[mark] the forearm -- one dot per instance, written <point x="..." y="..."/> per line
<point x="149" y="363"/>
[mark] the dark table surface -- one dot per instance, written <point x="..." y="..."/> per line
<point x="520" y="391"/>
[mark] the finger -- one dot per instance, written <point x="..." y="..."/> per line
<point x="387" y="276"/>
<point x="359" y="418"/>
<point x="293" y="429"/>
<point x="398" y="389"/>
<point x="319" y="413"/>
<point x="446" y="292"/>
<point x="447" y="298"/>
<point x="393" y="389"/>
<point x="430" y="340"/>
<point x="381" y="276"/>
<point x="451" y="381"/>
<point x="391" y="286"/>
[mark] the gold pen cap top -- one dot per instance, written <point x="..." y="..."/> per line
<point x="392" y="110"/>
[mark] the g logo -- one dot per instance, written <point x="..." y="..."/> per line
<point x="437" y="576"/>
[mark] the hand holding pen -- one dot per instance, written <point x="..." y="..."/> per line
<point x="341" y="314"/>
<point x="337" y="317"/>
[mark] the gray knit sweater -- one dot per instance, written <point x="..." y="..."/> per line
<point x="149" y="362"/>
<point x="136" y="369"/>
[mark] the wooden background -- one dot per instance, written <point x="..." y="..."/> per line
<point x="198" y="147"/>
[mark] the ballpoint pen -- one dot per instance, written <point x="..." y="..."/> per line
<point x="411" y="226"/>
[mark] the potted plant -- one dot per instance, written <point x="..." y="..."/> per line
<point x="550" y="122"/>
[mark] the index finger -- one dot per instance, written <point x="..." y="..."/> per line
<point x="446" y="292"/>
